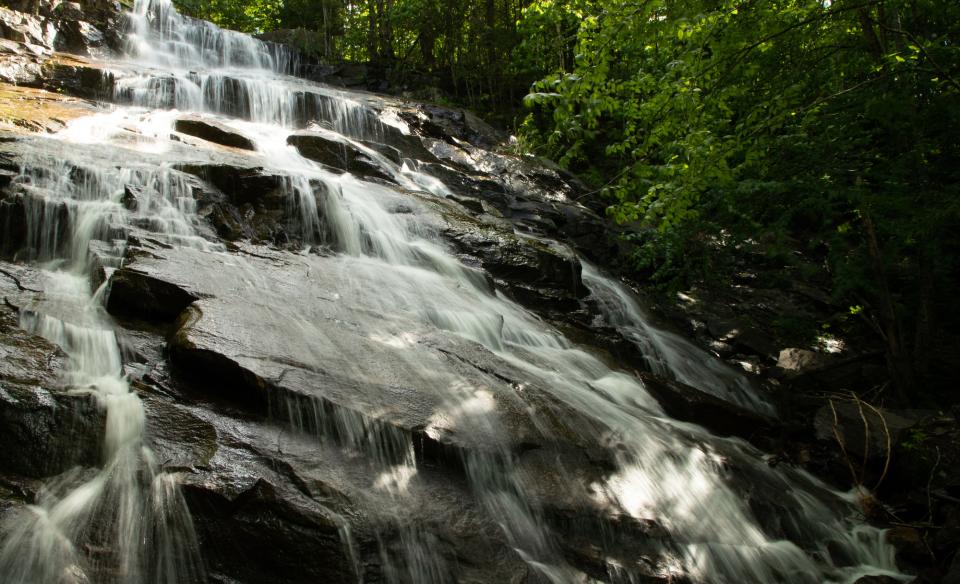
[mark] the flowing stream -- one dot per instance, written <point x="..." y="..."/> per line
<point x="127" y="522"/>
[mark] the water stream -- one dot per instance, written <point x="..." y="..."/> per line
<point x="126" y="522"/>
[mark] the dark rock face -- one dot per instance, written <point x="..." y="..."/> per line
<point x="304" y="541"/>
<point x="242" y="184"/>
<point x="536" y="274"/>
<point x="336" y="155"/>
<point x="688" y="403"/>
<point x="135" y="294"/>
<point x="212" y="132"/>
<point x="13" y="221"/>
<point x="445" y="123"/>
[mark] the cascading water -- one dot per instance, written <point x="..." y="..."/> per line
<point x="667" y="353"/>
<point x="668" y="472"/>
<point x="129" y="510"/>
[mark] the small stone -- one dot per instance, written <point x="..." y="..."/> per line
<point x="798" y="360"/>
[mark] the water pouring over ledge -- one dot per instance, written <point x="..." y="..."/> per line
<point x="386" y="348"/>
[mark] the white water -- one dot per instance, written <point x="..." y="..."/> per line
<point x="128" y="509"/>
<point x="693" y="484"/>
<point x="666" y="353"/>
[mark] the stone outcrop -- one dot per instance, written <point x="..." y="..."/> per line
<point x="337" y="155"/>
<point x="212" y="132"/>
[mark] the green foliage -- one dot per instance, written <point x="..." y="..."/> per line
<point x="829" y="126"/>
<point x="258" y="16"/>
<point x="914" y="440"/>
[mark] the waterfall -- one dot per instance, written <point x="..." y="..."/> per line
<point x="130" y="508"/>
<point x="127" y="522"/>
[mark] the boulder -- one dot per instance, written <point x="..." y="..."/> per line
<point x="797" y="361"/>
<point x="337" y="155"/>
<point x="865" y="433"/>
<point x="241" y="183"/>
<point x="135" y="294"/>
<point x="213" y="131"/>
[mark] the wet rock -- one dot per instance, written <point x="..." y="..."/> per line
<point x="444" y="123"/>
<point x="136" y="294"/>
<point x="104" y="257"/>
<point x="472" y="205"/>
<point x="537" y="273"/>
<point x="241" y="183"/>
<point x="393" y="406"/>
<point x="78" y="77"/>
<point x="690" y="404"/>
<point x="179" y="439"/>
<point x="240" y="202"/>
<point x="407" y="146"/>
<point x="14" y="225"/>
<point x="336" y="154"/>
<point x="473" y="185"/>
<point x="391" y="153"/>
<point x="315" y="370"/>
<point x="304" y="539"/>
<point x="213" y="131"/>
<point x="24" y="206"/>
<point x="451" y="154"/>
<point x="319" y="148"/>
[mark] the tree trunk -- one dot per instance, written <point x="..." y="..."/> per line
<point x="899" y="361"/>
